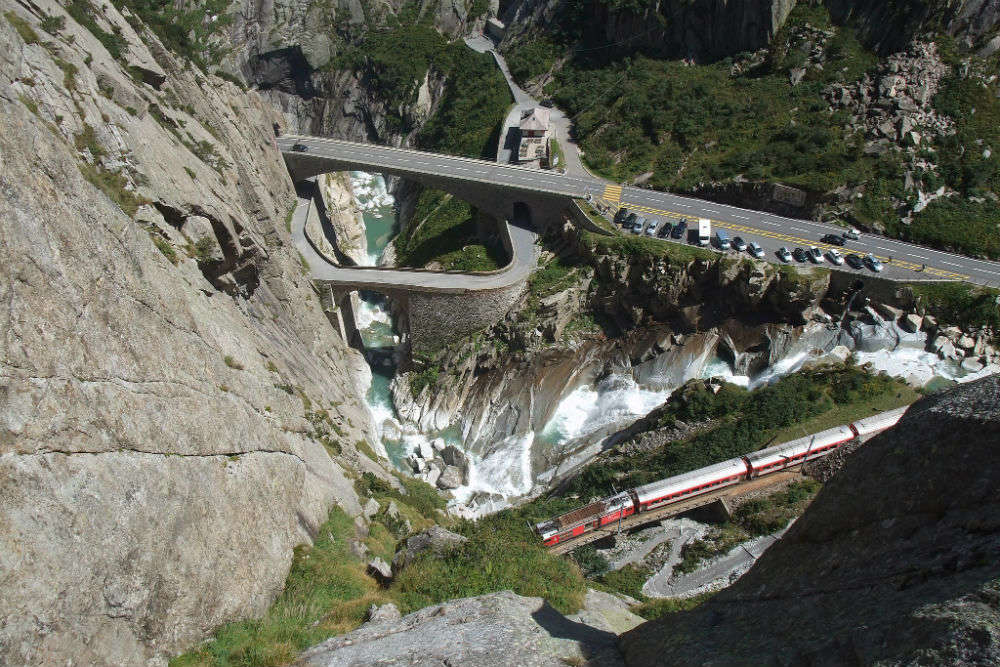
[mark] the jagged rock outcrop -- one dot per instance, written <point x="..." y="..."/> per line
<point x="176" y="413"/>
<point x="889" y="26"/>
<point x="895" y="562"/>
<point x="705" y="30"/>
<point x="435" y="539"/>
<point x="499" y="629"/>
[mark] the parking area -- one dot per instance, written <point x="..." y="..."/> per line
<point x="833" y="251"/>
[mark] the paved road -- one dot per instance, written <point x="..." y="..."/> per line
<point x="381" y="279"/>
<point x="908" y="261"/>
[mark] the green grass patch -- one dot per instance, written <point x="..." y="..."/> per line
<point x="366" y="449"/>
<point x="423" y="497"/>
<point x="558" y="156"/>
<point x="502" y="553"/>
<point x="643" y="247"/>
<point x="326" y="593"/>
<point x="190" y="30"/>
<point x="962" y="304"/>
<point x="114" y="185"/>
<point x="663" y="607"/>
<point x="444" y="229"/>
<point x="627" y="580"/>
<point x="595" y="216"/>
<point x="23" y="28"/>
<point x="164" y="247"/>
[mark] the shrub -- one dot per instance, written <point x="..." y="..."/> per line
<point x="232" y="363"/>
<point x="53" y="24"/>
<point x="114" y="185"/>
<point x="164" y="247"/>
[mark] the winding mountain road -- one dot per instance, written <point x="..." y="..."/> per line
<point x="904" y="261"/>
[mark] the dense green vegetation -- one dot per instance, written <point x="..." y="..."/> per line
<point x="747" y="421"/>
<point x="962" y="304"/>
<point x="447" y="231"/>
<point x="467" y="122"/>
<point x="689" y="124"/>
<point x="188" y="29"/>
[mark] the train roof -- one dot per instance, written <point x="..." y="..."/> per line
<point x="800" y="445"/>
<point x="687" y="480"/>
<point x="879" y="422"/>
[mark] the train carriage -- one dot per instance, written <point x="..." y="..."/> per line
<point x="878" y="423"/>
<point x="794" y="452"/>
<point x="672" y="489"/>
<point x="583" y="519"/>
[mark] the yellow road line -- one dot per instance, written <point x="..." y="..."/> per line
<point x="789" y="238"/>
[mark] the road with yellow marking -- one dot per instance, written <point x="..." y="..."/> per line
<point x="903" y="261"/>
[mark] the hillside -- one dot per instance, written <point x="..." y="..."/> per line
<point x="897" y="561"/>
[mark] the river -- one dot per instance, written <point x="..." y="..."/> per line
<point x="505" y="471"/>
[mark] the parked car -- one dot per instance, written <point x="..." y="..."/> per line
<point x="852" y="234"/>
<point x="621" y="215"/>
<point x="755" y="250"/>
<point x="854" y="261"/>
<point x="679" y="229"/>
<point x="739" y="245"/>
<point x="651" y="228"/>
<point x="665" y="229"/>
<point x="815" y="254"/>
<point x="833" y="239"/>
<point x="638" y="225"/>
<point x="873" y="263"/>
<point x="835" y="257"/>
<point x="723" y="239"/>
<point x="784" y="255"/>
<point x="799" y="254"/>
<point x="630" y="220"/>
<point x="300" y="148"/>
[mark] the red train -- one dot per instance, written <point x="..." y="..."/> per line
<point x="728" y="473"/>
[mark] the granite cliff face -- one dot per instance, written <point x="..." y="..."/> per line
<point x="896" y="562"/>
<point x="176" y="412"/>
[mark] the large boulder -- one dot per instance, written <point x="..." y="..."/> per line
<point x="435" y="539"/>
<point x="451" y="478"/>
<point x="496" y="630"/>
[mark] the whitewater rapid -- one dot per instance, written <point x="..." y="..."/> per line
<point x="504" y="471"/>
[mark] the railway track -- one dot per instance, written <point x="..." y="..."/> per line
<point x="644" y="518"/>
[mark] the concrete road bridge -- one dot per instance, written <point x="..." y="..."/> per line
<point x="495" y="188"/>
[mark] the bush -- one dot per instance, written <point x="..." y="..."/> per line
<point x="83" y="13"/>
<point x="502" y="553"/>
<point x="965" y="305"/>
<point x="53" y="24"/>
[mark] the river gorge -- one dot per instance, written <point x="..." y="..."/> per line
<point x="525" y="428"/>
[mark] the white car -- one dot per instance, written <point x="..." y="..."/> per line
<point x="835" y="257"/>
<point x="651" y="229"/>
<point x="784" y="255"/>
<point x="815" y="254"/>
<point x="852" y="234"/>
<point x="755" y="250"/>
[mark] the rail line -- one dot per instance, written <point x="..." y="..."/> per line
<point x="673" y="509"/>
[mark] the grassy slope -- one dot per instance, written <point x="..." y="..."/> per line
<point x="691" y="125"/>
<point x="467" y="122"/>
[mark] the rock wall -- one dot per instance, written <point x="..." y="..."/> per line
<point x="705" y="30"/>
<point x="175" y="411"/>
<point x="889" y="26"/>
<point x="895" y="562"/>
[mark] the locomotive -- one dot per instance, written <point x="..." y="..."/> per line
<point x="664" y="492"/>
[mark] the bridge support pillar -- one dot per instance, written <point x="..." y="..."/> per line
<point x="338" y="306"/>
<point x="439" y="319"/>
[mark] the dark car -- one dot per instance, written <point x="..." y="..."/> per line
<point x="799" y="254"/>
<point x="621" y="215"/>
<point x="834" y="239"/>
<point x="678" y="231"/>
<point x="664" y="230"/>
<point x="300" y="148"/>
<point x="739" y="245"/>
<point x="854" y="261"/>
<point x="630" y="220"/>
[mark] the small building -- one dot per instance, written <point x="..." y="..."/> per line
<point x="534" y="137"/>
